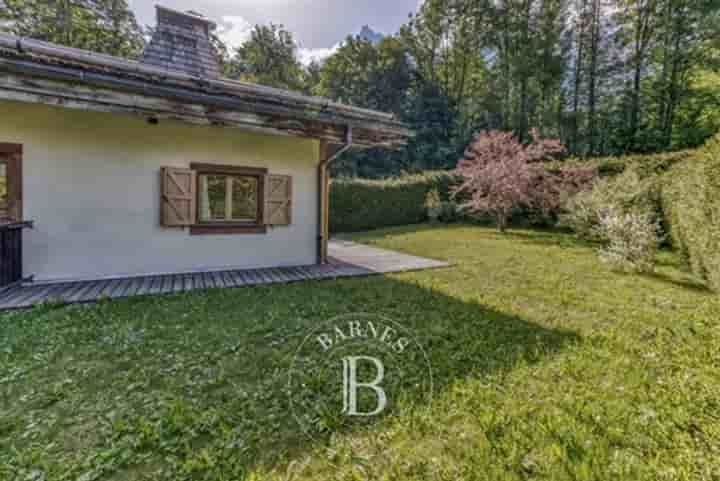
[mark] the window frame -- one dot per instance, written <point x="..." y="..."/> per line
<point x="11" y="156"/>
<point x="230" y="227"/>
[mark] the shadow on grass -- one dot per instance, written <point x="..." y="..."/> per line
<point x="462" y="339"/>
<point x="539" y="236"/>
<point x="195" y="383"/>
<point x="687" y="283"/>
<point x="397" y="230"/>
<point x="550" y="237"/>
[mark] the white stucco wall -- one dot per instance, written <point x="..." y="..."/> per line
<point x="91" y="184"/>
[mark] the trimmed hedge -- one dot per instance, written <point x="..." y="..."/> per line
<point x="691" y="204"/>
<point x="361" y="204"/>
<point x="646" y="164"/>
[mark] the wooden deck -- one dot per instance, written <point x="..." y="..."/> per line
<point x="347" y="259"/>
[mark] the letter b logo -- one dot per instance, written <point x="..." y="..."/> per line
<point x="351" y="386"/>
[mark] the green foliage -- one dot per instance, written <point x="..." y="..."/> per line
<point x="368" y="75"/>
<point x="691" y="202"/>
<point x="633" y="192"/>
<point x="362" y="204"/>
<point x="632" y="240"/>
<point x="371" y="76"/>
<point x="268" y="58"/>
<point x="605" y="77"/>
<point x="643" y="164"/>
<point x="628" y="184"/>
<point x="106" y="26"/>
<point x="698" y="117"/>
<point x="433" y="205"/>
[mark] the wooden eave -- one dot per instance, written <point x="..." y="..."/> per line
<point x="39" y="72"/>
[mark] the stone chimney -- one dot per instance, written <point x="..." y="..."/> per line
<point x="181" y="41"/>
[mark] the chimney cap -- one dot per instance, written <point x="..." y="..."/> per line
<point x="194" y="16"/>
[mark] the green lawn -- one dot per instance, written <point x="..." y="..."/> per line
<point x="547" y="366"/>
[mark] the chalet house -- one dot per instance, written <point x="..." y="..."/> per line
<point x="129" y="168"/>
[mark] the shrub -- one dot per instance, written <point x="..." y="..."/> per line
<point x="691" y="202"/>
<point x="645" y="165"/>
<point x="450" y="211"/>
<point x="501" y="175"/>
<point x="632" y="240"/>
<point x="433" y="205"/>
<point x="632" y="192"/>
<point x="361" y="204"/>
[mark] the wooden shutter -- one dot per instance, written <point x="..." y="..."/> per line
<point x="178" y="197"/>
<point x="278" y="203"/>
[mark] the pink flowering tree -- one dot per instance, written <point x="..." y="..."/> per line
<point x="500" y="174"/>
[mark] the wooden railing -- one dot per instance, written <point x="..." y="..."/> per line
<point x="11" y="269"/>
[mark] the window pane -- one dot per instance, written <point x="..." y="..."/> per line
<point x="213" y="189"/>
<point x="245" y="198"/>
<point x="228" y="198"/>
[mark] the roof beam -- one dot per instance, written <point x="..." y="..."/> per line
<point x="24" y="88"/>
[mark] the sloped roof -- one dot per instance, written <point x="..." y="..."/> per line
<point x="77" y="78"/>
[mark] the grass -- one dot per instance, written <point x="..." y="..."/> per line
<point x="547" y="366"/>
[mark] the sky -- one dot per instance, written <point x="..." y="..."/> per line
<point x="318" y="25"/>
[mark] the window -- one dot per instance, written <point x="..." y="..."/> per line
<point x="10" y="182"/>
<point x="229" y="199"/>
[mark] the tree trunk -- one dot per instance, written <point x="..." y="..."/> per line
<point x="578" y="77"/>
<point x="522" y="125"/>
<point x="674" y="83"/>
<point x="644" y="25"/>
<point x="502" y="222"/>
<point x="592" y="78"/>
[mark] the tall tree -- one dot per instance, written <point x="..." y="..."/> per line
<point x="269" y="58"/>
<point x="106" y="26"/>
<point x="687" y="29"/>
<point x="640" y="19"/>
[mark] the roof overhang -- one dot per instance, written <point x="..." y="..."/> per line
<point x="40" y="72"/>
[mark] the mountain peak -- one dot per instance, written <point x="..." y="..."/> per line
<point x="367" y="33"/>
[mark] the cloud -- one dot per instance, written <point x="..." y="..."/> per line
<point x="234" y="31"/>
<point x="308" y="55"/>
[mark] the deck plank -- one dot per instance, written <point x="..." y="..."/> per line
<point x="228" y="280"/>
<point x="219" y="280"/>
<point x="94" y="293"/>
<point x="141" y="286"/>
<point x="166" y="284"/>
<point x="177" y="283"/>
<point x="75" y="292"/>
<point x="17" y="297"/>
<point x="266" y="275"/>
<point x="277" y="275"/>
<point x="132" y="287"/>
<point x="155" y="285"/>
<point x="291" y="275"/>
<point x="346" y="260"/>
<point x="36" y="294"/>
<point x="237" y="279"/>
<point x="295" y="274"/>
<point x="251" y="277"/>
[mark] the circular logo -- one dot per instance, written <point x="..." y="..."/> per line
<point x="355" y="368"/>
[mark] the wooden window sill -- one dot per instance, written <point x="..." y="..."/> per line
<point x="226" y="229"/>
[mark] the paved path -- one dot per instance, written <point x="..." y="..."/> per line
<point x="347" y="259"/>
